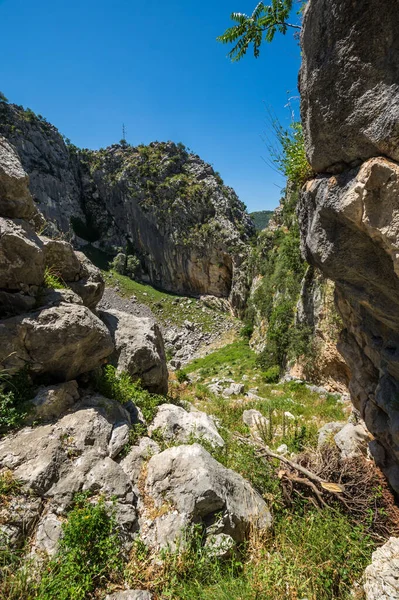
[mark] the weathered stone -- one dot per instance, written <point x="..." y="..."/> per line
<point x="21" y="255"/>
<point x="235" y="389"/>
<point x="138" y="349"/>
<point x="61" y="259"/>
<point x="198" y="487"/>
<point x="349" y="227"/>
<point x="175" y="423"/>
<point x="135" y="459"/>
<point x="90" y="285"/>
<point x="15" y="198"/>
<point x="50" y="402"/>
<point x="220" y="545"/>
<point x="254" y="418"/>
<point x="15" y="303"/>
<point x="130" y="595"/>
<point x="381" y="578"/>
<point x="352" y="440"/>
<point x="18" y="516"/>
<point x="328" y="431"/>
<point x="119" y="439"/>
<point x="349" y="82"/>
<point x="65" y="341"/>
<point x="47" y="535"/>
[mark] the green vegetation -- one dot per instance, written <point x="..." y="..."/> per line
<point x="3" y="98"/>
<point x="89" y="556"/>
<point x="261" y="218"/>
<point x="121" y="387"/>
<point x="261" y="25"/>
<point x="168" y="307"/>
<point x="15" y="393"/>
<point x="288" y="152"/>
<point x="53" y="280"/>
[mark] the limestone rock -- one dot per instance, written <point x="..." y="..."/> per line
<point x="66" y="341"/>
<point x="328" y="431"/>
<point x="90" y="285"/>
<point x="349" y="228"/>
<point x="381" y="578"/>
<point x="198" y="487"/>
<point x="349" y="81"/>
<point x="21" y="255"/>
<point x="352" y="440"/>
<point x="130" y="595"/>
<point x="175" y="423"/>
<point x="47" y="535"/>
<point x="61" y="259"/>
<point x="235" y="389"/>
<point x="52" y="401"/>
<point x="15" y="198"/>
<point x="135" y="459"/>
<point x="119" y="439"/>
<point x="138" y="349"/>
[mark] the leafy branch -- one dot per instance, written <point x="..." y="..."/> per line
<point x="264" y="22"/>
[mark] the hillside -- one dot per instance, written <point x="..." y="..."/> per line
<point x="261" y="218"/>
<point x="185" y="231"/>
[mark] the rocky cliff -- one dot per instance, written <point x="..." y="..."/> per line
<point x="159" y="203"/>
<point x="349" y="220"/>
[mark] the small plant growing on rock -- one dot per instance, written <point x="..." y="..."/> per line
<point x="53" y="280"/>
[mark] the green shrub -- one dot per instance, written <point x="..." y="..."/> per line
<point x="246" y="331"/>
<point x="119" y="263"/>
<point x="15" y="393"/>
<point x="132" y="265"/>
<point x="3" y="98"/>
<point x="272" y="375"/>
<point x="121" y="387"/>
<point x="89" y="555"/>
<point x="182" y="376"/>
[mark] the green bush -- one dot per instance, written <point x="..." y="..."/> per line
<point x="119" y="263"/>
<point x="272" y="375"/>
<point x="89" y="555"/>
<point x="15" y="393"/>
<point x="52" y="279"/>
<point x="121" y="387"/>
<point x="182" y="376"/>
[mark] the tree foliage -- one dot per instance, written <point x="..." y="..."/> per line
<point x="262" y="25"/>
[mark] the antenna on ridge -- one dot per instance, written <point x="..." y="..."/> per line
<point x="123" y="131"/>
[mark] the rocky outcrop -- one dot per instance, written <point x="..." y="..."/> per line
<point x="175" y="423"/>
<point x="139" y="349"/>
<point x="381" y="578"/>
<point x="349" y="229"/>
<point x="350" y="221"/>
<point x="159" y="203"/>
<point x="209" y="493"/>
<point x="349" y="82"/>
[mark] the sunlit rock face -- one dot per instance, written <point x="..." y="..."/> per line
<point x="349" y="82"/>
<point x="349" y="218"/>
<point x="159" y="202"/>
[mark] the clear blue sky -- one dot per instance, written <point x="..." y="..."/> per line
<point x="90" y="65"/>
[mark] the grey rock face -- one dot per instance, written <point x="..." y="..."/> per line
<point x="139" y="349"/>
<point x="90" y="285"/>
<point x="52" y="401"/>
<point x="350" y="227"/>
<point x="133" y="462"/>
<point x="175" y="423"/>
<point x="349" y="82"/>
<point x="189" y="231"/>
<point x="198" y="487"/>
<point x="65" y="340"/>
<point x="381" y="578"/>
<point x="21" y="255"/>
<point x="15" y="198"/>
<point x="352" y="440"/>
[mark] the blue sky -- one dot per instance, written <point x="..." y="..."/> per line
<point x="90" y="65"/>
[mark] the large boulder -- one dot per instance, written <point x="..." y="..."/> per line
<point x="177" y="424"/>
<point x="90" y="285"/>
<point x="15" y="198"/>
<point x="381" y="578"/>
<point x="65" y="341"/>
<point x="52" y="401"/>
<point x="187" y="485"/>
<point x="139" y="349"/>
<point x="349" y="81"/>
<point x="350" y="230"/>
<point x="21" y="255"/>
